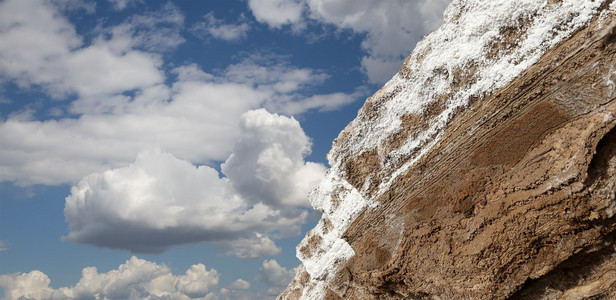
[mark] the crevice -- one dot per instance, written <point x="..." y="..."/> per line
<point x="569" y="274"/>
<point x="605" y="152"/>
<point x="610" y="38"/>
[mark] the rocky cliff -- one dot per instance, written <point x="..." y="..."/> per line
<point x="485" y="169"/>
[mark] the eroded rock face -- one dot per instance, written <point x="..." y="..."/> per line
<point x="485" y="169"/>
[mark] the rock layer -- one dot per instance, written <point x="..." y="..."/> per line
<point x="504" y="190"/>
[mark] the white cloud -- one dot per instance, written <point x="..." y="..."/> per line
<point x="33" y="285"/>
<point x="187" y="119"/>
<point x="432" y="12"/>
<point x="41" y="48"/>
<point x="3" y="246"/>
<point x="239" y="284"/>
<point x="126" y="106"/>
<point x="98" y="70"/>
<point x="234" y="294"/>
<point x="33" y="34"/>
<point x="254" y="247"/>
<point x="4" y="100"/>
<point x="135" y="279"/>
<point x="380" y="69"/>
<point x="149" y="205"/>
<point x="391" y="27"/>
<point x="160" y="201"/>
<point x="277" y="13"/>
<point x="218" y="29"/>
<point x="327" y="102"/>
<point x="70" y="5"/>
<point x="122" y="4"/>
<point x="273" y="73"/>
<point x="158" y="31"/>
<point x="195" y="125"/>
<point x="267" y="163"/>
<point x="275" y="276"/>
<point x="284" y="85"/>
<point x="123" y="104"/>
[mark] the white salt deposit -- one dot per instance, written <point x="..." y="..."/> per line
<point x="471" y="30"/>
<point x="340" y="203"/>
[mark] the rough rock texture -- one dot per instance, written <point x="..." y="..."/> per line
<point x="460" y="180"/>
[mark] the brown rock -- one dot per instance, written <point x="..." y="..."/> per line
<point x="516" y="200"/>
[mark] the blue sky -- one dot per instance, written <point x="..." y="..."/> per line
<point x="171" y="145"/>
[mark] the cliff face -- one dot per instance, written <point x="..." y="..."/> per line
<point x="485" y="169"/>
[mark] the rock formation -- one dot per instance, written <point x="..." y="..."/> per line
<point x="485" y="169"/>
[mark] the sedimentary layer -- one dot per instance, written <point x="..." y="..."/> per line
<point x="485" y="169"/>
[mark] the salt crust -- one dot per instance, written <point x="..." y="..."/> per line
<point x="340" y="203"/>
<point x="470" y="28"/>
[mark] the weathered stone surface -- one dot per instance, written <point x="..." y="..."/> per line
<point x="515" y="200"/>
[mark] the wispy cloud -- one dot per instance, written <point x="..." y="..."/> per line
<point x="125" y="103"/>
<point x="211" y="27"/>
<point x="157" y="31"/>
<point x="390" y="32"/>
<point x="251" y="247"/>
<point x="5" y="101"/>
<point x="122" y="4"/>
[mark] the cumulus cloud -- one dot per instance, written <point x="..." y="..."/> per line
<point x="33" y="285"/>
<point x="151" y="204"/>
<point x="135" y="279"/>
<point x="267" y="163"/>
<point x="196" y="125"/>
<point x="239" y="284"/>
<point x="233" y="294"/>
<point x="136" y="142"/>
<point x="125" y="103"/>
<point x="276" y="277"/>
<point x="277" y="13"/>
<point x="160" y="201"/>
<point x="391" y="27"/>
<point x="218" y="29"/>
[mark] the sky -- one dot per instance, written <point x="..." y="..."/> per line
<point x="165" y="149"/>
